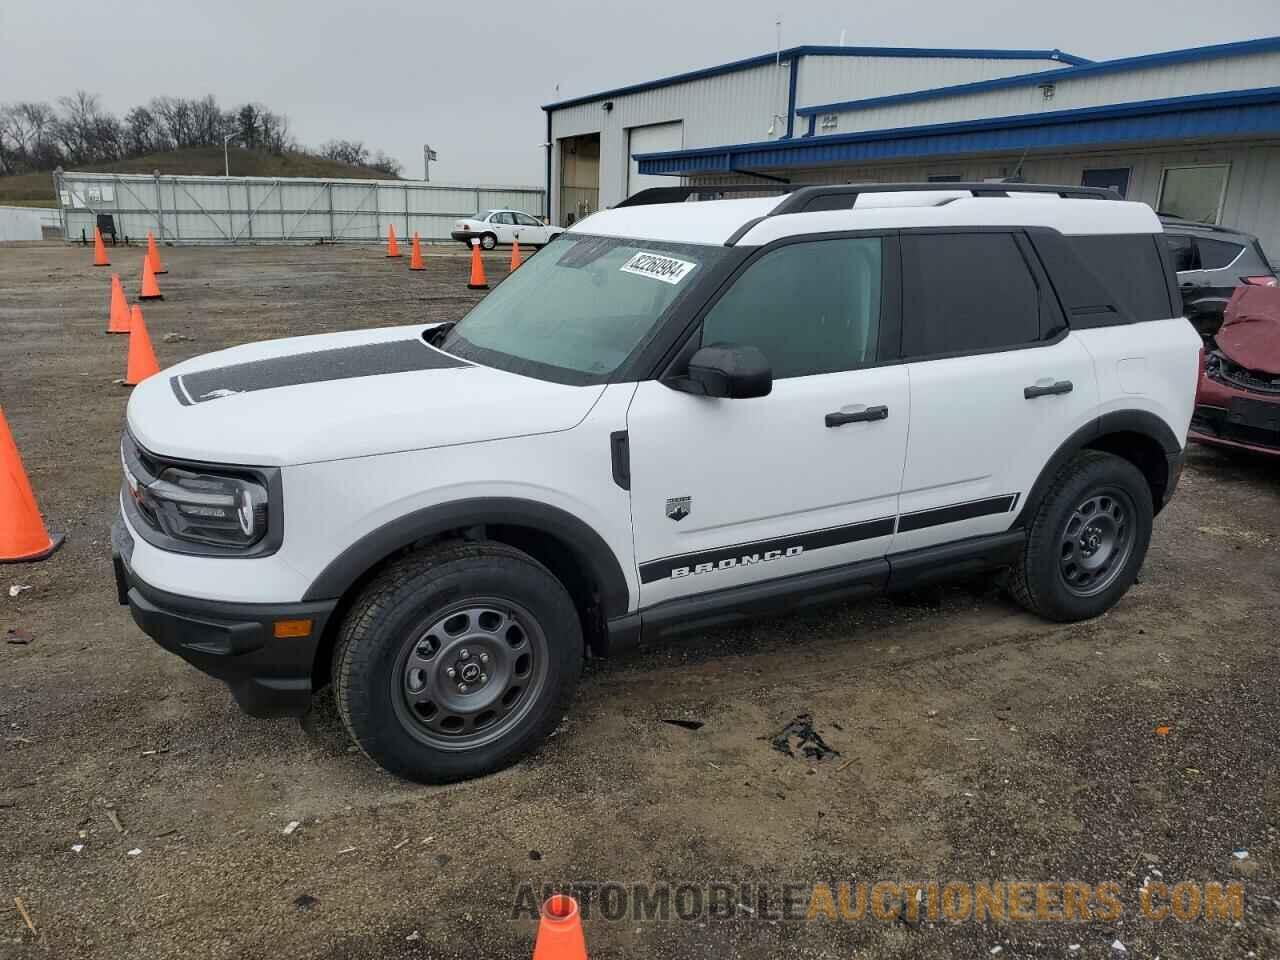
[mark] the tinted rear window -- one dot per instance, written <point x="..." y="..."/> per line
<point x="1216" y="254"/>
<point x="1130" y="269"/>
<point x="966" y="292"/>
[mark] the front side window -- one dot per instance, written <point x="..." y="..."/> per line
<point x="526" y="221"/>
<point x="966" y="292"/>
<point x="577" y="310"/>
<point x="1193" y="193"/>
<point x="810" y="307"/>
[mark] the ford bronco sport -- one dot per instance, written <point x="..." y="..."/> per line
<point x="675" y="415"/>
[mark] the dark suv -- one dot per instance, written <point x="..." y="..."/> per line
<point x="1211" y="262"/>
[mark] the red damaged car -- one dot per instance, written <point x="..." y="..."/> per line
<point x="1238" y="396"/>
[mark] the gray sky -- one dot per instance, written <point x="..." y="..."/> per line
<point x="469" y="77"/>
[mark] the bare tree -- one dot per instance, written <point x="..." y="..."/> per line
<point x="85" y="132"/>
<point x="388" y="165"/>
<point x="345" y="151"/>
<point x="142" y="133"/>
<point x="36" y="136"/>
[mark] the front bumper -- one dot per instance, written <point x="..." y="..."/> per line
<point x="1226" y="416"/>
<point x="233" y="642"/>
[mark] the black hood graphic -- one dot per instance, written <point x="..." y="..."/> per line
<point x="339" y="363"/>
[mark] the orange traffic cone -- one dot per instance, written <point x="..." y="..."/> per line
<point x="415" y="255"/>
<point x="118" y="321"/>
<point x="23" y="537"/>
<point x="393" y="248"/>
<point x="99" y="250"/>
<point x="515" y="254"/>
<point x="478" y="282"/>
<point x="153" y="254"/>
<point x="150" y="289"/>
<point x="560" y="931"/>
<point x="142" y="357"/>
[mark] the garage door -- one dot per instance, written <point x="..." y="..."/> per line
<point x="652" y="139"/>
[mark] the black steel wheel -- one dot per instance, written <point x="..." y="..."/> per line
<point x="456" y="661"/>
<point x="1086" y="539"/>
<point x="1096" y="541"/>
<point x="472" y="675"/>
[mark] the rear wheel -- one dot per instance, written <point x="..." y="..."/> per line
<point x="456" y="662"/>
<point x="1087" y="540"/>
<point x="488" y="241"/>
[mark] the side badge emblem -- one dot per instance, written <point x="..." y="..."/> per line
<point x="678" y="508"/>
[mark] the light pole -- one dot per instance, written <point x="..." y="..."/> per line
<point x="427" y="156"/>
<point x="226" y="161"/>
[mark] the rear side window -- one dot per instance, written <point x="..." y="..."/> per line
<point x="966" y="292"/>
<point x="1130" y="269"/>
<point x="1216" y="254"/>
<point x="810" y="307"/>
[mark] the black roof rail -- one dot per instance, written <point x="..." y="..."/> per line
<point x="703" y="191"/>
<point x="843" y="196"/>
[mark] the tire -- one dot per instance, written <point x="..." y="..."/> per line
<point x="495" y="617"/>
<point x="488" y="241"/>
<point x="1088" y="539"/>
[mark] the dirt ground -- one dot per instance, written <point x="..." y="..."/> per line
<point x="975" y="742"/>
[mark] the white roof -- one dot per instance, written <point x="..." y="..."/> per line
<point x="1067" y="216"/>
<point x="703" y="221"/>
<point x="714" y="221"/>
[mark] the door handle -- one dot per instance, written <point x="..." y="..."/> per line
<point x="839" y="419"/>
<point x="1033" y="391"/>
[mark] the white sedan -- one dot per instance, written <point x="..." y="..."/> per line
<point x="492" y="227"/>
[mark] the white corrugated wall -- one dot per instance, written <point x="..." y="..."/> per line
<point x="1252" y="200"/>
<point x="834" y="79"/>
<point x="25" y="223"/>
<point x="191" y="209"/>
<point x="1154" y="83"/>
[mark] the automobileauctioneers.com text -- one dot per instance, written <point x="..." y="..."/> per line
<point x="888" y="901"/>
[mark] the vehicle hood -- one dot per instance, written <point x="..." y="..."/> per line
<point x="328" y="397"/>
<point x="1250" y="332"/>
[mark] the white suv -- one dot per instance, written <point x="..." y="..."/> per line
<point x="676" y="415"/>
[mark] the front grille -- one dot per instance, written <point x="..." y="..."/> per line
<point x="1225" y="370"/>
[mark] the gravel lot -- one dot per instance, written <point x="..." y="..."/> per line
<point x="975" y="741"/>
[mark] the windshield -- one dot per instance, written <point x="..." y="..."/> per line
<point x="575" y="311"/>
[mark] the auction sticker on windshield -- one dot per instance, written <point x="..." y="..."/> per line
<point x="657" y="267"/>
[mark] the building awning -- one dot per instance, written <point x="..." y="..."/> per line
<point x="1233" y="114"/>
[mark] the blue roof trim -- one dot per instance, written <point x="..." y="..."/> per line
<point x="810" y="50"/>
<point x="1239" y="48"/>
<point x="1241" y="112"/>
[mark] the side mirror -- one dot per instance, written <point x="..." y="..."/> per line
<point x="726" y="370"/>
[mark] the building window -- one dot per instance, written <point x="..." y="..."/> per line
<point x="830" y="121"/>
<point x="1112" y="178"/>
<point x="946" y="178"/>
<point x="1194" y="193"/>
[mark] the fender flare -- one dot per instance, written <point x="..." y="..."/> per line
<point x="1117" y="421"/>
<point x="587" y="546"/>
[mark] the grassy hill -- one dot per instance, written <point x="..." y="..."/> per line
<point x="36" y="189"/>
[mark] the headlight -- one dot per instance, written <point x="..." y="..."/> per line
<point x="207" y="508"/>
<point x="202" y="509"/>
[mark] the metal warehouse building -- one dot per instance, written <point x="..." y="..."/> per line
<point x="1192" y="132"/>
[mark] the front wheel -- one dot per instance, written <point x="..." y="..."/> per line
<point x="457" y="661"/>
<point x="1087" y="540"/>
